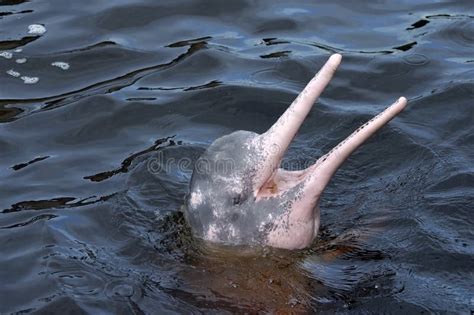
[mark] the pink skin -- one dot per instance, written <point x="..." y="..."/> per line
<point x="298" y="227"/>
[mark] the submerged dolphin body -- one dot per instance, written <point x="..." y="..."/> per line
<point x="239" y="195"/>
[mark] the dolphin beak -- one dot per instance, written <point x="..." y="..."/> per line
<point x="276" y="140"/>
<point x="320" y="173"/>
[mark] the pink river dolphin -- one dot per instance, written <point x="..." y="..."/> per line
<point x="239" y="195"/>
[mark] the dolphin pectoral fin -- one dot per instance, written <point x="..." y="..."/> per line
<point x="277" y="139"/>
<point x="321" y="172"/>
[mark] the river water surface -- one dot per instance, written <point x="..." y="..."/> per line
<point x="93" y="94"/>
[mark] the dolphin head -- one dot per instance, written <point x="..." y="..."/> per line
<point x="239" y="195"/>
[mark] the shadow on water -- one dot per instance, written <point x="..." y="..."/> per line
<point x="104" y="107"/>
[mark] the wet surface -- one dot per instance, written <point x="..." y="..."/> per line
<point x="95" y="96"/>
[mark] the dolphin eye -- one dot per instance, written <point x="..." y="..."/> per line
<point x="236" y="200"/>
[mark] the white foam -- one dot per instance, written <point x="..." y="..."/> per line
<point x="36" y="29"/>
<point x="29" y="80"/>
<point x="13" y="73"/>
<point x="18" y="50"/>
<point x="21" y="60"/>
<point x="6" y="54"/>
<point x="61" y="64"/>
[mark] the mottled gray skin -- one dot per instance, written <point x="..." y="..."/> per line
<point x="232" y="215"/>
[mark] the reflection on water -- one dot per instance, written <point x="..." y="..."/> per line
<point x="93" y="93"/>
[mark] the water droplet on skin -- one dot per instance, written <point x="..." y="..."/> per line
<point x="30" y="80"/>
<point x="60" y="64"/>
<point x="6" y="54"/>
<point x="21" y="60"/>
<point x="13" y="73"/>
<point x="36" y="29"/>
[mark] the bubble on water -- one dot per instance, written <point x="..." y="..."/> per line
<point x="121" y="291"/>
<point x="266" y="76"/>
<point x="29" y="80"/>
<point x="36" y="29"/>
<point x="6" y="54"/>
<point x="233" y="284"/>
<point x="60" y="64"/>
<point x="13" y="73"/>
<point x="21" y="60"/>
<point x="124" y="290"/>
<point x="416" y="59"/>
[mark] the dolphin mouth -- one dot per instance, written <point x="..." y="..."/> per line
<point x="272" y="181"/>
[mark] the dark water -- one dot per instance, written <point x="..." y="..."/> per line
<point x="87" y="225"/>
